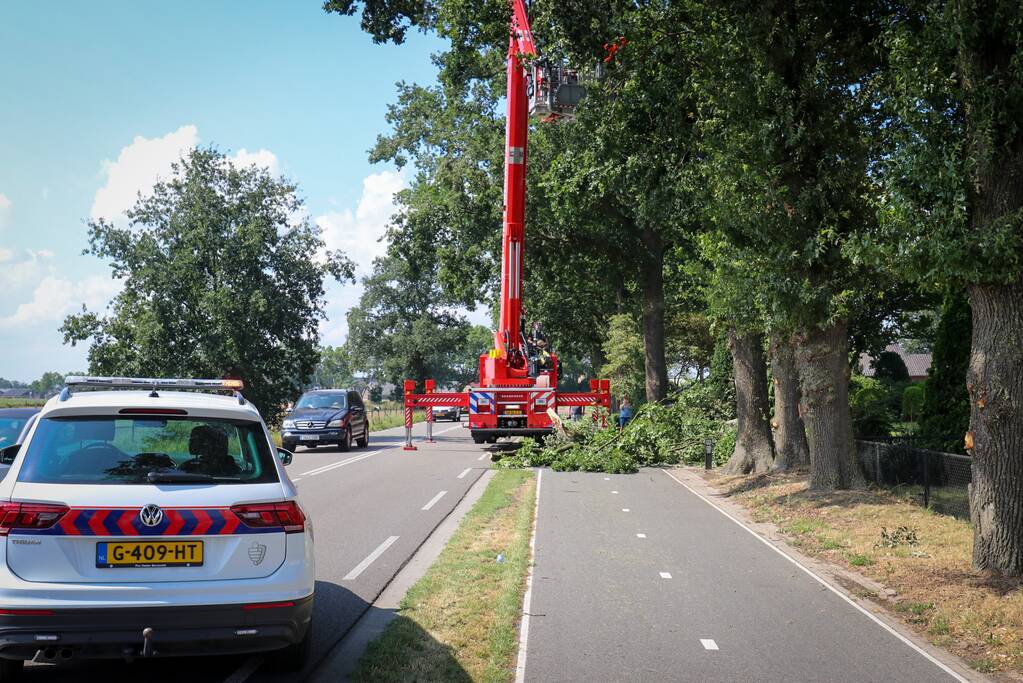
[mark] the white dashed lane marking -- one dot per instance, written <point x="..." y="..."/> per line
<point x="482" y="456"/>
<point x="614" y="492"/>
<point x="370" y="559"/>
<point x="433" y="501"/>
<point x="640" y="535"/>
<point x="466" y="471"/>
<point x="665" y="575"/>
<point x="625" y="509"/>
<point x="708" y="644"/>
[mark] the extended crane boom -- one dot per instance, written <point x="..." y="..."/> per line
<point x="517" y="391"/>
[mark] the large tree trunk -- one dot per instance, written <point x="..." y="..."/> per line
<point x="823" y="366"/>
<point x="790" y="449"/>
<point x="995" y="385"/>
<point x="754" y="451"/>
<point x="653" y="318"/>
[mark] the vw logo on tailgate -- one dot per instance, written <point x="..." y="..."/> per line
<point x="151" y="515"/>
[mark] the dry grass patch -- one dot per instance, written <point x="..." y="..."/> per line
<point x="923" y="556"/>
<point x="460" y="621"/>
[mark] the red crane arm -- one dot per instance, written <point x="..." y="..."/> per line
<point x="507" y="338"/>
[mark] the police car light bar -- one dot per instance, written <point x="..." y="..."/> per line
<point x="154" y="383"/>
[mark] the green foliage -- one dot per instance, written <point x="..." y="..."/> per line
<point x="49" y="383"/>
<point x="625" y="361"/>
<point x="722" y="375"/>
<point x="334" y="371"/>
<point x="954" y="91"/>
<point x="868" y="402"/>
<point x="889" y="366"/>
<point x="945" y="414"/>
<point x="221" y="277"/>
<point x="913" y="398"/>
<point x="659" y="434"/>
<point x="402" y="329"/>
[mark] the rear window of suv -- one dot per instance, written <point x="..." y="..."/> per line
<point x="164" y="450"/>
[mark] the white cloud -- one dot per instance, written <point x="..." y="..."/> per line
<point x="359" y="233"/>
<point x="6" y="255"/>
<point x="17" y="275"/>
<point x="5" y="209"/>
<point x="140" y="164"/>
<point x="54" y="297"/>
<point x="137" y="168"/>
<point x="262" y="158"/>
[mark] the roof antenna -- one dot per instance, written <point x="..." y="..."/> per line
<point x="153" y="394"/>
<point x="65" y="393"/>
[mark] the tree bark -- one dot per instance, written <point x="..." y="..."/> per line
<point x="790" y="449"/>
<point x="995" y="386"/>
<point x="754" y="451"/>
<point x="653" y="318"/>
<point x="823" y="367"/>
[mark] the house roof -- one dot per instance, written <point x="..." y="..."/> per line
<point x="916" y="363"/>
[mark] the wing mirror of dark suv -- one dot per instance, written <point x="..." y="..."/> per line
<point x="285" y="456"/>
<point x="9" y="453"/>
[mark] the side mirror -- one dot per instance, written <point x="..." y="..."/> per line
<point x="285" y="456"/>
<point x="8" y="454"/>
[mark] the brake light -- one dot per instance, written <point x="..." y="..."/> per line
<point x="29" y="516"/>
<point x="26" y="612"/>
<point x="269" y="605"/>
<point x="285" y="514"/>
<point x="152" y="411"/>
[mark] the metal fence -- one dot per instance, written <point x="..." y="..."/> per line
<point x="941" y="480"/>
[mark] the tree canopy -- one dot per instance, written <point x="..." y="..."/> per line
<point x="222" y="274"/>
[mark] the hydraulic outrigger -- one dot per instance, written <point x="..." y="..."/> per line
<point x="517" y="391"/>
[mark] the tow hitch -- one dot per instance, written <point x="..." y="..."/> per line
<point x="147" y="642"/>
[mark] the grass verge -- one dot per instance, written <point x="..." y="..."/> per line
<point x="460" y="621"/>
<point x="923" y="556"/>
<point x="22" y="402"/>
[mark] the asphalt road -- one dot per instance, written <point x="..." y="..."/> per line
<point x="638" y="579"/>
<point x="367" y="506"/>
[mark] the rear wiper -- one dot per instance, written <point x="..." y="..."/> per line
<point x="172" y="477"/>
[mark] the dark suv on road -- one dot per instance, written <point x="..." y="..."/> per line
<point x="326" y="416"/>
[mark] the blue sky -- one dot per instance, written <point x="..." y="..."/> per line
<point x="97" y="98"/>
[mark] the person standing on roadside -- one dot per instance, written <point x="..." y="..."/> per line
<point x="624" y="412"/>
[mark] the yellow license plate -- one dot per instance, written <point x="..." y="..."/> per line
<point x="149" y="554"/>
<point x="513" y="412"/>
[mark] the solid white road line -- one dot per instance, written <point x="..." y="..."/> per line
<point x="466" y="471"/>
<point x="665" y="575"/>
<point x="433" y="501"/>
<point x="335" y="465"/>
<point x="242" y="673"/>
<point x="824" y="583"/>
<point x="370" y="559"/>
<point x="527" y="599"/>
<point x="640" y="535"/>
<point x="708" y="644"/>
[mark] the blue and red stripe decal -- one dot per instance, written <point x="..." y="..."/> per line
<point x="126" y="522"/>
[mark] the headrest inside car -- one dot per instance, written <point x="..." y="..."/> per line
<point x="207" y="440"/>
<point x="94" y="430"/>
